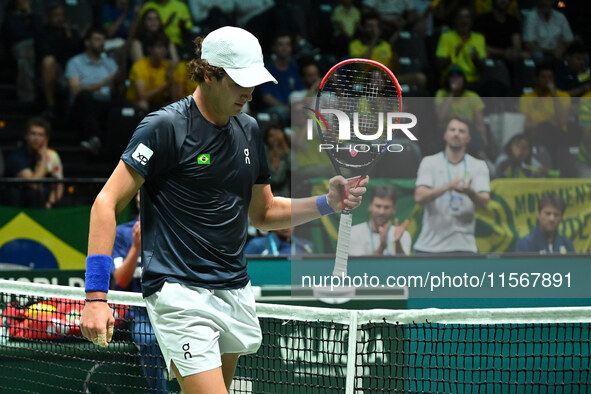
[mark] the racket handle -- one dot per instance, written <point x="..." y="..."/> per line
<point x="342" y="254"/>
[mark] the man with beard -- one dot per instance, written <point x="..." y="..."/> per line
<point x="378" y="236"/>
<point x="451" y="185"/>
<point x="91" y="78"/>
<point x="545" y="238"/>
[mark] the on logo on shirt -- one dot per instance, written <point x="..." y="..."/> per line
<point x="142" y="154"/>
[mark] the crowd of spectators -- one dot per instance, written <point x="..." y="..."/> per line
<point x="80" y="64"/>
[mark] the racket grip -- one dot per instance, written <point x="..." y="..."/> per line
<point x="342" y="254"/>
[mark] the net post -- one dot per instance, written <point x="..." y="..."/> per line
<point x="351" y="354"/>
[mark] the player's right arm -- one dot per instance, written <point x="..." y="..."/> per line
<point x="97" y="319"/>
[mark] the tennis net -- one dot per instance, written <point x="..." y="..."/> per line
<point x="304" y="350"/>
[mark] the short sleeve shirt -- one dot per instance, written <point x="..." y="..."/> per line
<point x="381" y="53"/>
<point x="89" y="73"/>
<point x="467" y="106"/>
<point x="449" y="221"/>
<point x="547" y="33"/>
<point x="446" y="48"/>
<point x="195" y="199"/>
<point x="153" y="77"/>
<point x="540" y="109"/>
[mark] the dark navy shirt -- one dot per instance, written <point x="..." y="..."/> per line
<point x="536" y="242"/>
<point x="195" y="199"/>
<point x="20" y="159"/>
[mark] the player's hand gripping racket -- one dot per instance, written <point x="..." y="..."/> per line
<point x="365" y="91"/>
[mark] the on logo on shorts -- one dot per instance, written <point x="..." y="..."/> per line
<point x="142" y="154"/>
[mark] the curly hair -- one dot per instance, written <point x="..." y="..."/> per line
<point x="198" y="67"/>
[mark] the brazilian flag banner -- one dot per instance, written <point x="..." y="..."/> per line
<point x="46" y="238"/>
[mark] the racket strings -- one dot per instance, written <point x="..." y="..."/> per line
<point x="365" y="93"/>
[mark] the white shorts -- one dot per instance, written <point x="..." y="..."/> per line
<point x="195" y="326"/>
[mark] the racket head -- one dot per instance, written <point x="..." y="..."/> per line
<point x="365" y="91"/>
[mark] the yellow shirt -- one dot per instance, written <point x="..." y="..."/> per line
<point x="143" y="70"/>
<point x="539" y="109"/>
<point x="381" y="53"/>
<point x="466" y="106"/>
<point x="446" y="48"/>
<point x="348" y="20"/>
<point x="484" y="6"/>
<point x="166" y="10"/>
<point x="181" y="76"/>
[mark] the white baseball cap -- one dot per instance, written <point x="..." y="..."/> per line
<point x="239" y="53"/>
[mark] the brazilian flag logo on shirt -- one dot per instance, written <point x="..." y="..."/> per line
<point x="203" y="159"/>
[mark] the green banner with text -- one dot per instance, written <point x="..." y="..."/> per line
<point x="511" y="213"/>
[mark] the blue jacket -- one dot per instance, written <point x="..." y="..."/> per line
<point x="536" y="242"/>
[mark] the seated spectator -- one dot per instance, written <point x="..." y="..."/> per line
<point x="126" y="271"/>
<point x="394" y="15"/>
<point x="35" y="160"/>
<point x="462" y="47"/>
<point x="57" y="44"/>
<point x="149" y="24"/>
<point x="278" y="243"/>
<point x="117" y="17"/>
<point x="574" y="75"/>
<point x="370" y="44"/>
<point x="311" y="79"/>
<point x="276" y="96"/>
<point x="378" y="236"/>
<point x="277" y="145"/>
<point x="518" y="161"/>
<point x="546" y="109"/>
<point x="248" y="11"/>
<point x="20" y="28"/>
<point x="175" y="17"/>
<point x="150" y="78"/>
<point x="90" y="77"/>
<point x="485" y="6"/>
<point x="345" y="19"/>
<point x="502" y="33"/>
<point x="546" y="33"/>
<point x="544" y="238"/>
<point x="210" y="15"/>
<point x="456" y="100"/>
<point x="267" y="19"/>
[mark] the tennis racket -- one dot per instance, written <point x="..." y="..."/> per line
<point x="361" y="89"/>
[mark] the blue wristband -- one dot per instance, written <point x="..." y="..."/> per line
<point x="323" y="207"/>
<point x="98" y="272"/>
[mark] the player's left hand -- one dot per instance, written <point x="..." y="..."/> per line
<point x="346" y="193"/>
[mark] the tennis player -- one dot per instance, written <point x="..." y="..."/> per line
<point x="203" y="173"/>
